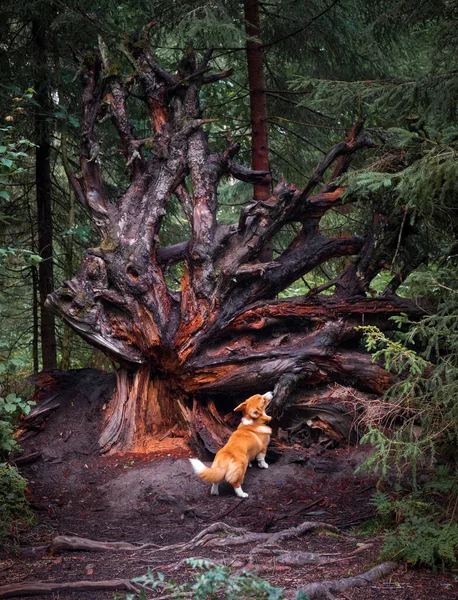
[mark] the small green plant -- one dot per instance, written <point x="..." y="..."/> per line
<point x="210" y="582"/>
<point x="14" y="507"/>
<point x="423" y="541"/>
<point x="401" y="507"/>
<point x="420" y="409"/>
<point x="10" y="408"/>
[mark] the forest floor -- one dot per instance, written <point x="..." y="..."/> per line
<point x="157" y="500"/>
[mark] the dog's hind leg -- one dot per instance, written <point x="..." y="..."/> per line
<point x="261" y="462"/>
<point x="214" y="491"/>
<point x="240" y="493"/>
<point x="234" y="476"/>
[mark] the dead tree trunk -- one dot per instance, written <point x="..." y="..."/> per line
<point x="183" y="355"/>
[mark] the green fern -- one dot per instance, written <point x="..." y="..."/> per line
<point x="209" y="581"/>
<point x="422" y="541"/>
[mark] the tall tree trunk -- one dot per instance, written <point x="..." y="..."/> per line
<point x="65" y="345"/>
<point x="35" y="302"/>
<point x="258" y="98"/>
<point x="188" y="357"/>
<point x="44" y="193"/>
<point x="35" y="326"/>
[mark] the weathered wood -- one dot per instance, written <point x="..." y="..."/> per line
<point x="66" y="543"/>
<point x="223" y="334"/>
<point x="325" y="590"/>
<point x="143" y="406"/>
<point x="40" y="589"/>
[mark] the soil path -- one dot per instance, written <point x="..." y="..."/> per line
<point x="156" y="499"/>
<point x="159" y="500"/>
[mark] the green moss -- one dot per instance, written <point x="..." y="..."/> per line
<point x="108" y="244"/>
<point x="114" y="69"/>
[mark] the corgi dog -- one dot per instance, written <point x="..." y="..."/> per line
<point x="248" y="442"/>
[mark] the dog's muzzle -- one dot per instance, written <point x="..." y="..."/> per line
<point x="268" y="396"/>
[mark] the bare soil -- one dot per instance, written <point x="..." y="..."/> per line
<point x="157" y="499"/>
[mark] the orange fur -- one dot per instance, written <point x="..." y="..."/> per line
<point x="249" y="441"/>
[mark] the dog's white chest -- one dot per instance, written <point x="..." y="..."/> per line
<point x="263" y="429"/>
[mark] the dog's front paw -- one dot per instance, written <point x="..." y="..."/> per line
<point x="214" y="491"/>
<point x="262" y="464"/>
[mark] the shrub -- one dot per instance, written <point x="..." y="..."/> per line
<point x="419" y="429"/>
<point x="11" y="407"/>
<point x="422" y="541"/>
<point x="210" y="582"/>
<point x="14" y="508"/>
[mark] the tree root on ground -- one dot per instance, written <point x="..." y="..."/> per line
<point x="63" y="543"/>
<point x="299" y="559"/>
<point x="325" y="590"/>
<point x="215" y="535"/>
<point x="237" y="536"/>
<point x="37" y="589"/>
<point x="210" y="536"/>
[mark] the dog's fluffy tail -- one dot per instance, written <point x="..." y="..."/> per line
<point x="208" y="474"/>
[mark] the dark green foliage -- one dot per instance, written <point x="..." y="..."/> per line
<point x="419" y="528"/>
<point x="11" y="407"/>
<point x="422" y="541"/>
<point x="209" y="581"/>
<point x="425" y="396"/>
<point x="14" y="508"/>
<point x="420" y="450"/>
<point x="421" y="538"/>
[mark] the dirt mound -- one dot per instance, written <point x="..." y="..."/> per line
<point x="67" y="418"/>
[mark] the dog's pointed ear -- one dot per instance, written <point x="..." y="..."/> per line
<point x="255" y="413"/>
<point x="240" y="407"/>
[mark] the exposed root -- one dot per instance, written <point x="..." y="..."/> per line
<point x="324" y="590"/>
<point x="63" y="543"/>
<point x="206" y="535"/>
<point x="38" y="589"/>
<point x="302" y="529"/>
<point x="298" y="559"/>
<point x="216" y="534"/>
<point x="238" y="536"/>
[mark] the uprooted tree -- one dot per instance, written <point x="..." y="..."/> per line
<point x="183" y="356"/>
